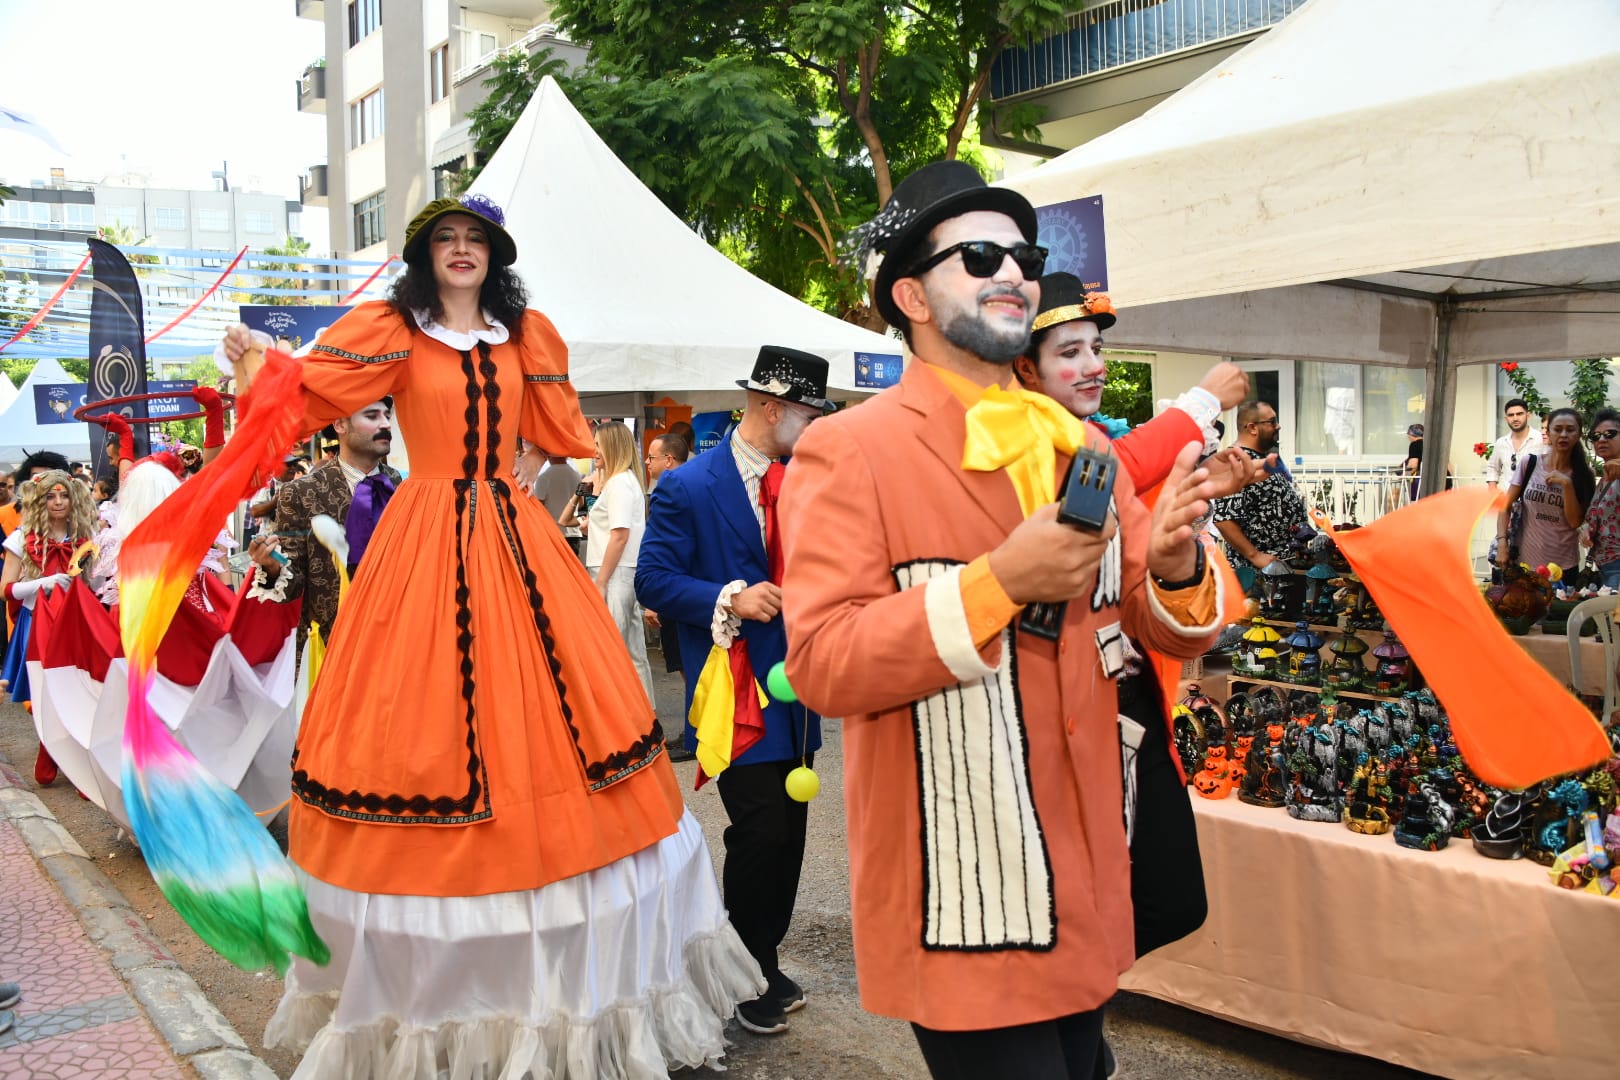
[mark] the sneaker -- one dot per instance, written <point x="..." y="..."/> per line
<point x="1106" y="1065"/>
<point x="10" y="994"/>
<point x="788" y="994"/>
<point x="762" y="1016"/>
<point x="679" y="752"/>
<point x="5" y="1021"/>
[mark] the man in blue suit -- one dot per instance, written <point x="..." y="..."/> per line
<point x="710" y="562"/>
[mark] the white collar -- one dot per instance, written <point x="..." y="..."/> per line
<point x="462" y="341"/>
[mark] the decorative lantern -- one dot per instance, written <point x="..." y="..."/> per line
<point x="1347" y="671"/>
<point x="1318" y="597"/>
<point x="1282" y="594"/>
<point x="1257" y="639"/>
<point x="1393" y="672"/>
<point x="1304" y="656"/>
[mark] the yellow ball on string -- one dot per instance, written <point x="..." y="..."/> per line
<point x="802" y="783"/>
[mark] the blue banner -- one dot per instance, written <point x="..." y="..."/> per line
<point x="164" y="408"/>
<point x="292" y="325"/>
<point x="117" y="342"/>
<point x="874" y="371"/>
<point x="54" y="402"/>
<point x="708" y="429"/>
<point x="1072" y="233"/>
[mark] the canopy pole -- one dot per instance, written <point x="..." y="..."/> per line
<point x="1439" y="392"/>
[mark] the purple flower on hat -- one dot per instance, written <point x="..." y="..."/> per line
<point x="481" y="204"/>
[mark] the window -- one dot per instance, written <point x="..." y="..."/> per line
<point x="124" y="216"/>
<point x="80" y="216"/>
<point x="438" y="73"/>
<point x="364" y="17"/>
<point x="365" y="118"/>
<point x="486" y="45"/>
<point x="168" y="217"/>
<point x="1354" y="410"/>
<point x="258" y="221"/>
<point x="444" y="177"/>
<point x="212" y="219"/>
<point x="368" y="221"/>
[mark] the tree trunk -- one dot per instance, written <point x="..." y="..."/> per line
<point x="859" y="108"/>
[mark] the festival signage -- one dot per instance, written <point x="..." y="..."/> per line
<point x="292" y="326"/>
<point x="874" y="371"/>
<point x="709" y="430"/>
<point x="117" y="341"/>
<point x="1072" y="233"/>
<point x="54" y="402"/>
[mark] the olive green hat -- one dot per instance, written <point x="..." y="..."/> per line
<point x="502" y="248"/>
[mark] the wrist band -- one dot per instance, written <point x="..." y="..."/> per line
<point x="10" y="594"/>
<point x="1196" y="576"/>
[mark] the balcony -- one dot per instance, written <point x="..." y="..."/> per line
<point x="1117" y="58"/>
<point x="311" y="9"/>
<point x="312" y="188"/>
<point x="312" y="89"/>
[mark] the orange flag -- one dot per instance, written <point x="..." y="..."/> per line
<point x="1513" y="722"/>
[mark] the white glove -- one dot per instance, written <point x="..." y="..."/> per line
<point x="24" y="590"/>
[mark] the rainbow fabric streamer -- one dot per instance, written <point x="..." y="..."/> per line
<point x="211" y="856"/>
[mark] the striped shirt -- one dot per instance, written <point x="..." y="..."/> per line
<point x="751" y="466"/>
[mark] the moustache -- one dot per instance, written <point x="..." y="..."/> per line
<point x="1002" y="290"/>
<point x="383" y="434"/>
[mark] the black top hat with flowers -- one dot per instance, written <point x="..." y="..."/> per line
<point x="790" y="375"/>
<point x="1064" y="299"/>
<point x="932" y="194"/>
<point x="502" y="248"/>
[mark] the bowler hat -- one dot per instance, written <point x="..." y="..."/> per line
<point x="790" y="375"/>
<point x="1064" y="299"/>
<point x="932" y="194"/>
<point x="502" y="248"/>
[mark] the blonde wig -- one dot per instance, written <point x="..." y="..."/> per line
<point x="81" y="524"/>
<point x="619" y="455"/>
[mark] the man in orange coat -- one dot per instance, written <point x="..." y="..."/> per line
<point x="989" y="873"/>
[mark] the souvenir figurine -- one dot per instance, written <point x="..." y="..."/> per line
<point x="1304" y="656"/>
<point x="1299" y="555"/>
<point x="1282" y="592"/>
<point x="1190" y="740"/>
<point x="1264" y="780"/>
<point x="1366" y="806"/>
<point x="1392" y="666"/>
<point x="1214" y="780"/>
<point x="1520" y="599"/>
<point x="1378" y="730"/>
<point x="1425" y="823"/>
<point x="1347" y="670"/>
<point x="1501" y="835"/>
<point x="1313" y="761"/>
<point x="1473" y="803"/>
<point x="1556" y="822"/>
<point x="1258" y="639"/>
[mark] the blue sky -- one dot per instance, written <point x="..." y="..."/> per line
<point x="166" y="87"/>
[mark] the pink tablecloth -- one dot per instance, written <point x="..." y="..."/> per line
<point x="1447" y="962"/>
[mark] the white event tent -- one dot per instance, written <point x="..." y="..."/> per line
<point x="644" y="303"/>
<point x="1378" y="181"/>
<point x="21" y="433"/>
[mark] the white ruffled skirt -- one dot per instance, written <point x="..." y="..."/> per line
<point x="623" y="972"/>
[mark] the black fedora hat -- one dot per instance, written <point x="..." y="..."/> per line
<point x="790" y="375"/>
<point x="1064" y="299"/>
<point x="934" y="193"/>
<point x="502" y="248"/>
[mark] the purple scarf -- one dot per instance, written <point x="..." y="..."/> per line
<point x="371" y="495"/>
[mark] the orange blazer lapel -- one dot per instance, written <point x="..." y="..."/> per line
<point x="942" y="423"/>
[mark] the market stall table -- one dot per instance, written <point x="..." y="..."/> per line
<point x="1443" y="961"/>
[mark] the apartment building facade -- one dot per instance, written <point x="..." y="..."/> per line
<point x="395" y="87"/>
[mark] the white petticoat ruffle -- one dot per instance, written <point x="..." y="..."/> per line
<point x="624" y="972"/>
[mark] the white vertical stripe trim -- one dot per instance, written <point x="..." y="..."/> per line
<point x="948" y="626"/>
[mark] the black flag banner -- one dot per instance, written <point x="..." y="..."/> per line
<point x="117" y="346"/>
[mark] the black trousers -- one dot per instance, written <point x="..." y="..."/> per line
<point x="1167" y="874"/>
<point x="764" y="853"/>
<point x="1063" y="1049"/>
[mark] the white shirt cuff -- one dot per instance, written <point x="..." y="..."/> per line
<point x="725" y="624"/>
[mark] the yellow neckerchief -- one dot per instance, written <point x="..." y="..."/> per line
<point x="1016" y="430"/>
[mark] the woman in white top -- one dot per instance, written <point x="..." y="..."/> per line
<point x="616" y="518"/>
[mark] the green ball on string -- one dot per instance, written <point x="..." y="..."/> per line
<point x="776" y="681"/>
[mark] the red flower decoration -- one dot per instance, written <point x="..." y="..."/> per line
<point x="1511" y="365"/>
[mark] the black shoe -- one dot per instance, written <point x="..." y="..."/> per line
<point x="762" y="1016"/>
<point x="679" y="752"/>
<point x="1107" y="1067"/>
<point x="788" y="994"/>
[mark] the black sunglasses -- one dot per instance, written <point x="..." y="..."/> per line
<point x="982" y="258"/>
<point x="1604" y="436"/>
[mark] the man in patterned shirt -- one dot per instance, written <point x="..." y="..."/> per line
<point x="1258" y="522"/>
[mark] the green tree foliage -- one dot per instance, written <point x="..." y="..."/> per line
<point x="1589" y="386"/>
<point x="280" y="275"/>
<point x="1128" y="394"/>
<point x="773" y="128"/>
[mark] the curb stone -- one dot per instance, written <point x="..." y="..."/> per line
<point x="178" y="1010"/>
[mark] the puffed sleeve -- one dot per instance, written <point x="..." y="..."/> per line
<point x="359" y="359"/>
<point x="551" y="417"/>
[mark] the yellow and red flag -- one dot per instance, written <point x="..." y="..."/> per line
<point x="727" y="709"/>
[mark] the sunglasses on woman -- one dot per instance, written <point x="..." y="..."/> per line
<point x="1605" y="435"/>
<point x="982" y="258"/>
